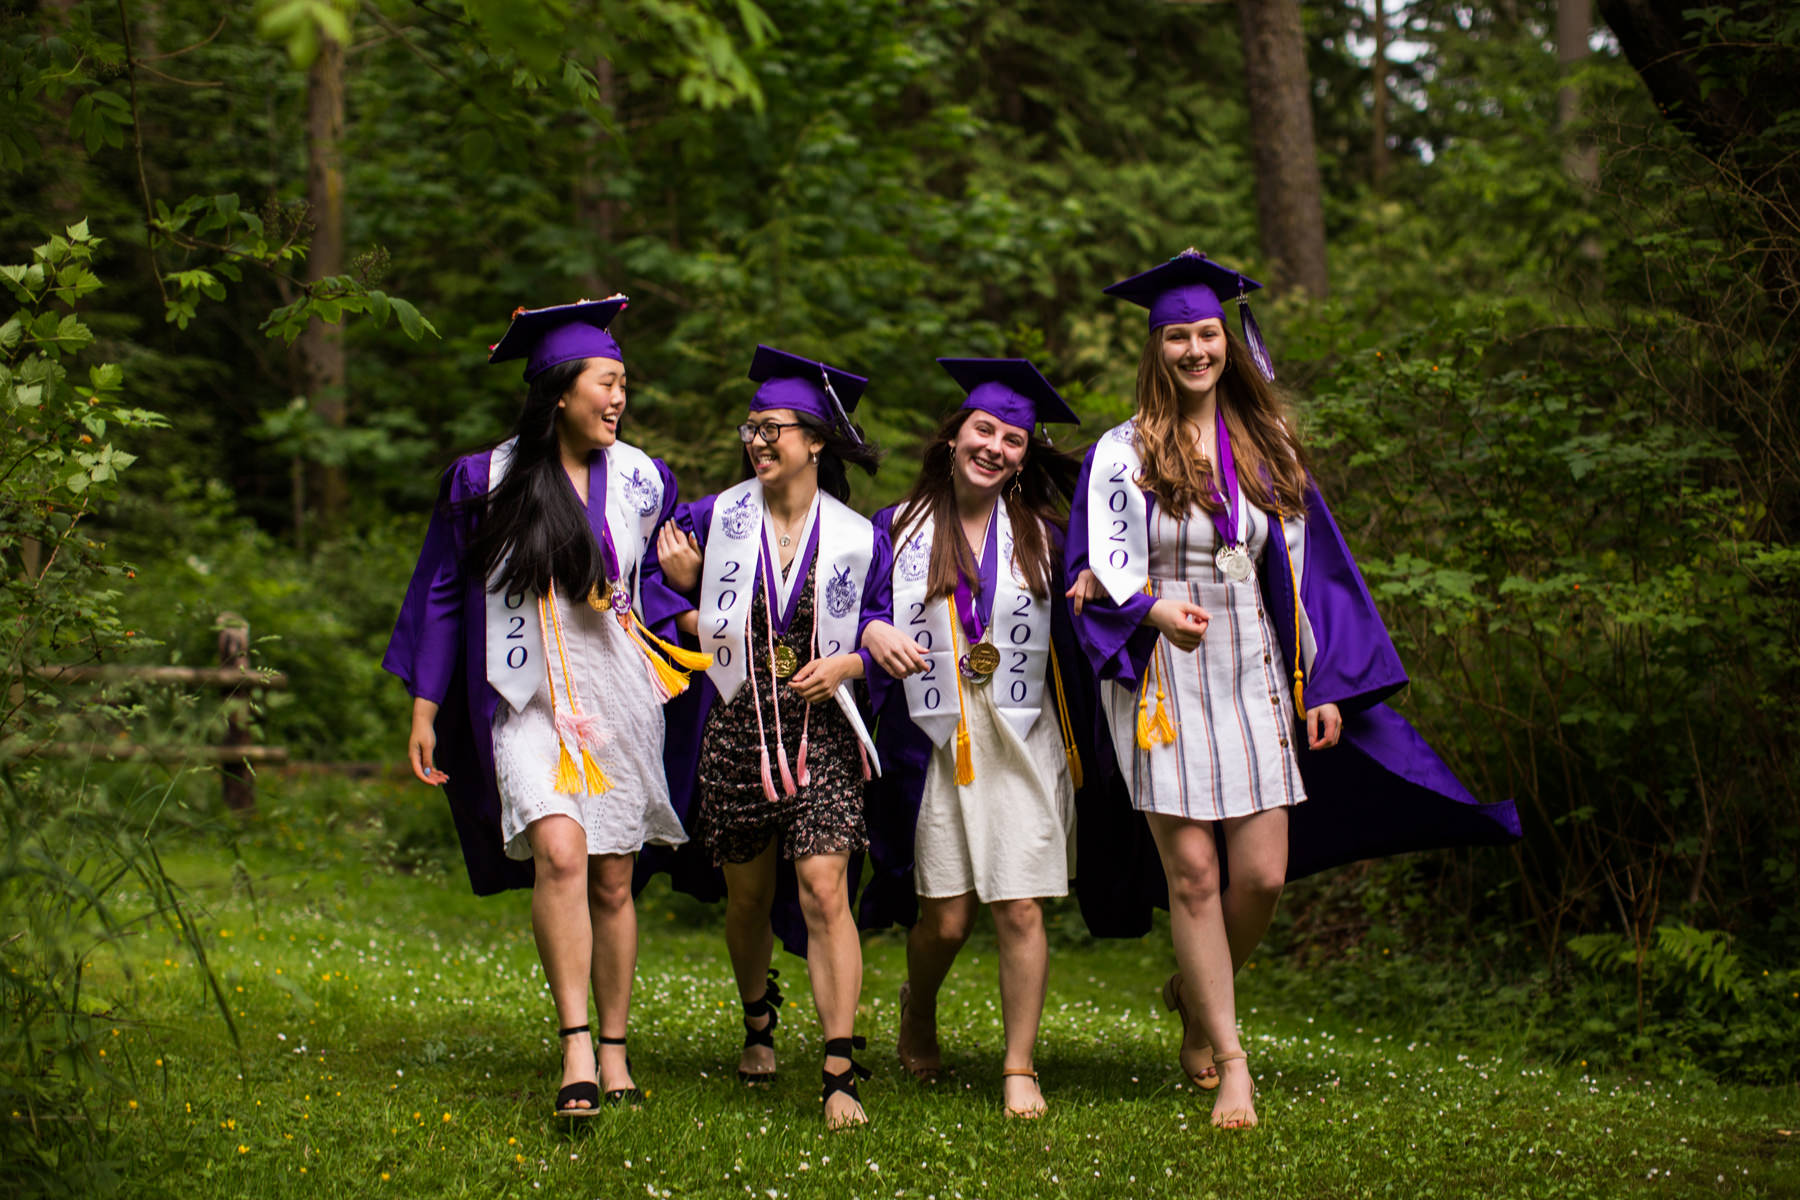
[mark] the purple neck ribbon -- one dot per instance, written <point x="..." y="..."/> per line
<point x="1226" y="519"/>
<point x="772" y="574"/>
<point x="609" y="554"/>
<point x="972" y="608"/>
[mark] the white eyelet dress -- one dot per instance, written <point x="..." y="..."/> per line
<point x="612" y="683"/>
<point x="1229" y="699"/>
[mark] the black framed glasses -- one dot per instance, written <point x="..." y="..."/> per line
<point x="768" y="431"/>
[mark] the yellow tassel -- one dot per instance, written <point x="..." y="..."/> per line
<point x="681" y="656"/>
<point x="1064" y="724"/>
<point x="568" y="775"/>
<point x="1299" y="695"/>
<point x="965" y="765"/>
<point x="1165" y="731"/>
<point x="1143" y="721"/>
<point x="597" y="782"/>
<point x="671" y="681"/>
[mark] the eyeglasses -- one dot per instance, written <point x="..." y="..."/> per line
<point x="768" y="431"/>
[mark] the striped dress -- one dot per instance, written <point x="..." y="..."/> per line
<point x="1229" y="702"/>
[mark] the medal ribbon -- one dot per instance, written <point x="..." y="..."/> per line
<point x="972" y="607"/>
<point x="1226" y="519"/>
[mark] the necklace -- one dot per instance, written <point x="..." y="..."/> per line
<point x="783" y="536"/>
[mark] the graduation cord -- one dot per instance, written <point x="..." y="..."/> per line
<point x="1299" y="677"/>
<point x="769" y="599"/>
<point x="1064" y="724"/>
<point x="573" y="726"/>
<point x="965" y="763"/>
<point x="1160" y="729"/>
<point x="762" y="735"/>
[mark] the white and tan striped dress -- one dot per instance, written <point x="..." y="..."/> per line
<point x="1235" y="730"/>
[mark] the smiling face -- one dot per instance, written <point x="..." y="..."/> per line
<point x="587" y="417"/>
<point x="790" y="455"/>
<point x="1194" y="354"/>
<point x="987" y="452"/>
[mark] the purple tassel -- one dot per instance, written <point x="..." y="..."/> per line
<point x="1253" y="338"/>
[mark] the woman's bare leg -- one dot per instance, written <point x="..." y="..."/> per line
<point x="749" y="894"/>
<point x="834" y="962"/>
<point x="614" y="921"/>
<point x="564" y="934"/>
<point x="1024" y="974"/>
<point x="943" y="926"/>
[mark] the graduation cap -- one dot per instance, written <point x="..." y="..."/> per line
<point x="824" y="392"/>
<point x="1192" y="287"/>
<point x="1010" y="389"/>
<point x="544" y="337"/>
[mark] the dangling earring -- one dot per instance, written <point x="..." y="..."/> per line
<point x="951" y="470"/>
<point x="815" y="458"/>
<point x="1018" y="488"/>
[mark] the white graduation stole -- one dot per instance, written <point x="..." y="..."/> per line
<point x="728" y="581"/>
<point x="1019" y="628"/>
<point x="515" y="639"/>
<point x="1118" y="515"/>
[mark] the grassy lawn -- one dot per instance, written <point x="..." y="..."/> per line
<point x="397" y="1040"/>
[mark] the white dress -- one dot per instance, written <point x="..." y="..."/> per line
<point x="1229" y="699"/>
<point x="1010" y="834"/>
<point x="612" y="682"/>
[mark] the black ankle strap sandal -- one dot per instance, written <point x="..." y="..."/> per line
<point x="585" y="1090"/>
<point x="629" y="1097"/>
<point x="843" y="1081"/>
<point x="769" y="1006"/>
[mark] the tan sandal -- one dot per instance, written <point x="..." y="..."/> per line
<point x="1024" y="1114"/>
<point x="1237" y="1118"/>
<point x="1207" y="1077"/>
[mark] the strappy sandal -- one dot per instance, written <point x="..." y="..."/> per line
<point x="1024" y="1114"/>
<point x="1239" y="1118"/>
<point x="584" y="1090"/>
<point x="625" y="1097"/>
<point x="1206" y="1078"/>
<point x="769" y="1006"/>
<point x="915" y="1065"/>
<point x="844" y="1081"/>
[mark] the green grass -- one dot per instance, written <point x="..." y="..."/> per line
<point x="397" y="1040"/>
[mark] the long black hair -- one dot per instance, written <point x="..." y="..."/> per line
<point x="1044" y="484"/>
<point x="840" y="450"/>
<point x="534" y="523"/>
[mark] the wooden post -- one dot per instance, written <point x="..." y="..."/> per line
<point x="237" y="782"/>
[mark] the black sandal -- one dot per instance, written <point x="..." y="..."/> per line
<point x="585" y="1090"/>
<point x="769" y="1006"/>
<point x="844" y="1081"/>
<point x="624" y="1096"/>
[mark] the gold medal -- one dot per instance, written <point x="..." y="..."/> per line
<point x="599" y="596"/>
<point x="784" y="661"/>
<point x="984" y="658"/>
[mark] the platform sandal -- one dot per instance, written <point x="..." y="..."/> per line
<point x="844" y="1081"/>
<point x="625" y="1097"/>
<point x="584" y="1090"/>
<point x="770" y="1006"/>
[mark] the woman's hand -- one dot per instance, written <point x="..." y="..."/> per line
<point x="892" y="650"/>
<point x="423" y="742"/>
<point x="678" y="553"/>
<point x="1085" y="588"/>
<point x="818" y="679"/>
<point x="1324" y="725"/>
<point x="1182" y="622"/>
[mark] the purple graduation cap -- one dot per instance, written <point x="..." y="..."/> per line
<point x="1191" y="287"/>
<point x="544" y="337"/>
<point x="1010" y="389"/>
<point x="826" y="393"/>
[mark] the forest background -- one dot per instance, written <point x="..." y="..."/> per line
<point x="1533" y="272"/>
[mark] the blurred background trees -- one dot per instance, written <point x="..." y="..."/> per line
<point x="1533" y="282"/>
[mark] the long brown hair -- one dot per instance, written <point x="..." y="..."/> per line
<point x="1271" y="465"/>
<point x="1045" y="481"/>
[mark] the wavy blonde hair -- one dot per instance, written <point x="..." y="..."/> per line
<point x="1271" y="465"/>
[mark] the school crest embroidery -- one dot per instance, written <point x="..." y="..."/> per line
<point x="914" y="557"/>
<point x="1124" y="433"/>
<point x="840" y="593"/>
<point x="644" y="495"/>
<point x="738" y="518"/>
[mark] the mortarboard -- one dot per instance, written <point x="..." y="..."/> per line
<point x="560" y="333"/>
<point x="826" y="393"/>
<point x="1192" y="287"/>
<point x="1010" y="389"/>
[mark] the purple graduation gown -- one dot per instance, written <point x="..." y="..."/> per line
<point x="439" y="651"/>
<point x="1380" y="791"/>
<point x="689" y="866"/>
<point x="893" y="800"/>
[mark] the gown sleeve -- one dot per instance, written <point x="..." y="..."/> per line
<point x="428" y="636"/>
<point x="661" y="603"/>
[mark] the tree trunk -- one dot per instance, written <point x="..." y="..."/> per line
<point x="1655" y="36"/>
<point x="594" y="209"/>
<point x="321" y="345"/>
<point x="1289" y="208"/>
<point x="1574" y="21"/>
<point x="1378" y="162"/>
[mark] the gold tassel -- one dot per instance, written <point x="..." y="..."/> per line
<point x="1299" y="694"/>
<point x="1064" y="724"/>
<point x="1160" y="728"/>
<point x="597" y="782"/>
<point x="673" y="682"/>
<point x="568" y="775"/>
<point x="1143" y="721"/>
<point x="965" y="765"/>
<point x="681" y="656"/>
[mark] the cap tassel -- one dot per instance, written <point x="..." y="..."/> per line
<point x="1253" y="338"/>
<point x="842" y="416"/>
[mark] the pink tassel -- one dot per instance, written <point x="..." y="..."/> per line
<point x="768" y="780"/>
<point x="787" y="779"/>
<point x="805" y="775"/>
